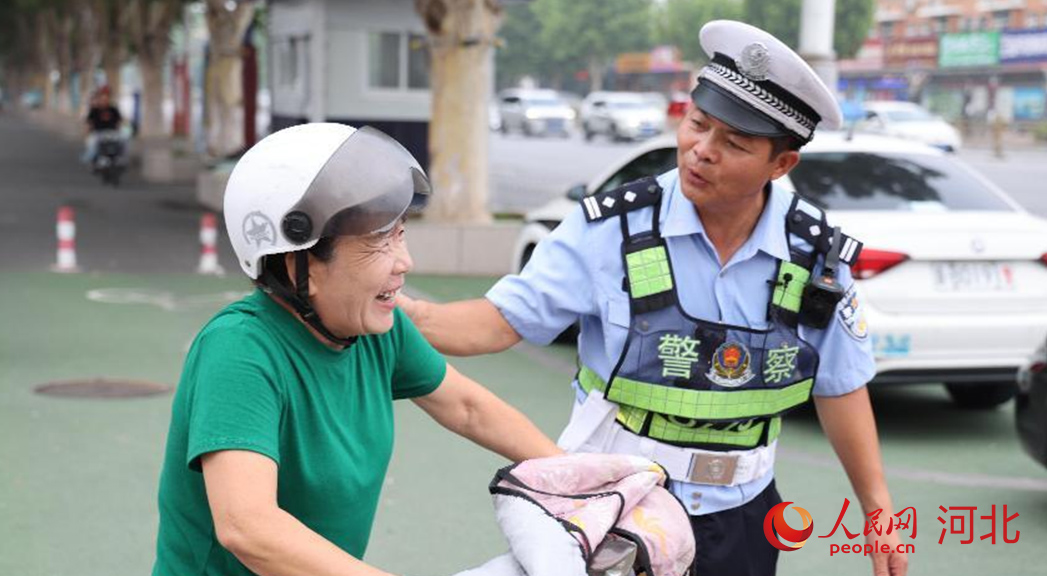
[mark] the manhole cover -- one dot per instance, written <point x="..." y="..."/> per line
<point x="102" y="388"/>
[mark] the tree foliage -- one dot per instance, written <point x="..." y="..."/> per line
<point x="551" y="40"/>
<point x="522" y="53"/>
<point x="678" y="23"/>
<point x="593" y="31"/>
<point x="782" y="18"/>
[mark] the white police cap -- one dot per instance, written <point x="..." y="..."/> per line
<point x="758" y="85"/>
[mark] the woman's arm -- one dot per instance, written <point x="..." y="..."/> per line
<point x="241" y="491"/>
<point x="471" y="411"/>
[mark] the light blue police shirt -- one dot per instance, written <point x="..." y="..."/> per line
<point x="576" y="273"/>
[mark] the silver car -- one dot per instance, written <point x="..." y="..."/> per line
<point x="623" y="115"/>
<point x="534" y="113"/>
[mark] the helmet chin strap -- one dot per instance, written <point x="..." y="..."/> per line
<point x="299" y="300"/>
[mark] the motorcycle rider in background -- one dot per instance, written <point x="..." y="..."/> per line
<point x="103" y="117"/>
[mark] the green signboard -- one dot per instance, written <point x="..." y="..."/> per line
<point x="969" y="49"/>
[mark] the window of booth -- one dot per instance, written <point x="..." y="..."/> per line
<point x="398" y="61"/>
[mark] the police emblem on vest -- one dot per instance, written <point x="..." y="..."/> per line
<point x="698" y="383"/>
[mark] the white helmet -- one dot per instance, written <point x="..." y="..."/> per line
<point x="316" y="180"/>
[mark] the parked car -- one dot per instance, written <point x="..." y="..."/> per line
<point x="1030" y="406"/>
<point x="534" y="112"/>
<point x="494" y="117"/>
<point x="909" y="121"/>
<point x="953" y="274"/>
<point x="678" y="104"/>
<point x="623" y="115"/>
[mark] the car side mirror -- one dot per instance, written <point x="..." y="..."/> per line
<point x="576" y="192"/>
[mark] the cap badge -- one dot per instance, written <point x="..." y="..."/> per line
<point x="755" y="61"/>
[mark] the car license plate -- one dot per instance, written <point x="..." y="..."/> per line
<point x="973" y="277"/>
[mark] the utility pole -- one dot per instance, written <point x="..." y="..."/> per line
<point x="817" y="23"/>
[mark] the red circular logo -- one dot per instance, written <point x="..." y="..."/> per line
<point x="776" y="529"/>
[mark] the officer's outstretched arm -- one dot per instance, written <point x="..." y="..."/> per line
<point x="464" y="328"/>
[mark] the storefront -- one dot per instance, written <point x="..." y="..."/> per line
<point x="983" y="72"/>
<point x="862" y="78"/>
<point x="1027" y="49"/>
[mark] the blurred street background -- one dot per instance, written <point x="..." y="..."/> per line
<point x="576" y="88"/>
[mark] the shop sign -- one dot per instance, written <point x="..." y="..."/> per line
<point x="969" y="49"/>
<point x="632" y="63"/>
<point x="665" y="59"/>
<point x="1023" y="46"/>
<point x="912" y="52"/>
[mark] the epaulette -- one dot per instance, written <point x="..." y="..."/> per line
<point x="815" y="229"/>
<point x="636" y="194"/>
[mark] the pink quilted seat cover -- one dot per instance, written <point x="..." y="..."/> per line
<point x="591" y="494"/>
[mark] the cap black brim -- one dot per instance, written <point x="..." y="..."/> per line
<point x="727" y="108"/>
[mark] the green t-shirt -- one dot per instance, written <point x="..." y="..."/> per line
<point x="256" y="379"/>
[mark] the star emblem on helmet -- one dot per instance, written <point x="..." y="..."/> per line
<point x="258" y="229"/>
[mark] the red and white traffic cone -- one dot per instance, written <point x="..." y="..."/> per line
<point x="66" y="230"/>
<point x="209" y="246"/>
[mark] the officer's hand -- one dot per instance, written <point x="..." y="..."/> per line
<point x="410" y="306"/>
<point x="891" y="563"/>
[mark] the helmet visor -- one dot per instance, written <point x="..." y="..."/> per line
<point x="366" y="186"/>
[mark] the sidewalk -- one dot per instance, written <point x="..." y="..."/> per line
<point x="138" y="227"/>
<point x="1013" y="141"/>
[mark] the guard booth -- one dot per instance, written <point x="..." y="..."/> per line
<point x="357" y="62"/>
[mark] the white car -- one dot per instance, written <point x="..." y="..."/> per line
<point x="623" y="115"/>
<point x="909" y="121"/>
<point x="953" y="273"/>
<point x="534" y="112"/>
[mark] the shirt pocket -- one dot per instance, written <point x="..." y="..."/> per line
<point x="616" y="327"/>
<point x="618" y="312"/>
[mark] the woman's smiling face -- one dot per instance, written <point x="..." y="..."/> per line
<point x="355" y="292"/>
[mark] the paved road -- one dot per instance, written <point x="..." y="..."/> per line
<point x="135" y="228"/>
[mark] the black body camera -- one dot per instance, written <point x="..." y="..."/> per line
<point x="823" y="292"/>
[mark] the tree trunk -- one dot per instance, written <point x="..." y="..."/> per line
<point x="224" y="95"/>
<point x="461" y="34"/>
<point x="64" y="57"/>
<point x="150" y="35"/>
<point x="112" y="77"/>
<point x="46" y="31"/>
<point x="85" y="54"/>
<point x="111" y="30"/>
<point x="596" y="74"/>
<point x="152" y="111"/>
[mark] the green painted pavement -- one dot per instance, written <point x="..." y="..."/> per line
<point x="78" y="477"/>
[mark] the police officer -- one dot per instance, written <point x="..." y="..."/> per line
<point x="710" y="304"/>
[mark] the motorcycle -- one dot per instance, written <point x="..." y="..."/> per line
<point x="110" y="158"/>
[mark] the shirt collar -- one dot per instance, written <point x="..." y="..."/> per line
<point x="679" y="218"/>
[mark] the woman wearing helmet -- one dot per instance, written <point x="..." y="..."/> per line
<point x="282" y="426"/>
